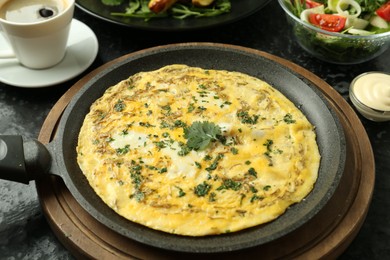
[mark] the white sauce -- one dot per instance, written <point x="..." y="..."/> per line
<point x="373" y="90"/>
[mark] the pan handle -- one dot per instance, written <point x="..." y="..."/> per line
<point x="22" y="161"/>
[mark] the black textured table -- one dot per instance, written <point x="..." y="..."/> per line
<point x="24" y="232"/>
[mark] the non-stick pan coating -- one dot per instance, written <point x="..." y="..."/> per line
<point x="210" y="56"/>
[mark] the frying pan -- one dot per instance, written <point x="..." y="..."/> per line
<point x="24" y="160"/>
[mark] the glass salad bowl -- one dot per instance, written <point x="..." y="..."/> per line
<point x="335" y="47"/>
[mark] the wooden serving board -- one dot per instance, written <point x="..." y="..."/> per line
<point x="327" y="235"/>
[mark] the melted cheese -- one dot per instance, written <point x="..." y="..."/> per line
<point x="132" y="149"/>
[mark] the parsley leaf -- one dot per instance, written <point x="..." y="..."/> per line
<point x="200" y="134"/>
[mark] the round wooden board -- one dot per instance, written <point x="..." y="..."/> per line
<point x="326" y="235"/>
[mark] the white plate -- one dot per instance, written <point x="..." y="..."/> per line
<point x="81" y="52"/>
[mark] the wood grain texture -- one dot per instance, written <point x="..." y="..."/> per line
<point x="325" y="236"/>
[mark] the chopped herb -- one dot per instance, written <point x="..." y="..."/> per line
<point x="125" y="132"/>
<point x="151" y="167"/>
<point x="201" y="108"/>
<point x="119" y="106"/>
<point x="179" y="123"/>
<point x="109" y="139"/>
<point x="136" y="168"/>
<point x="163" y="170"/>
<point x="288" y="119"/>
<point x="166" y="108"/>
<point x="230" y="184"/>
<point x="214" y="165"/>
<point x="124" y="150"/>
<point x="202" y="93"/>
<point x="184" y="149"/>
<point x="176" y="124"/>
<point x="253" y="189"/>
<point x="267" y="187"/>
<point x="136" y="179"/>
<point x="101" y="114"/>
<point x="147" y="124"/>
<point x="164" y="124"/>
<point x="267" y="153"/>
<point x="202" y="189"/>
<point x="160" y="144"/>
<point x="212" y="197"/>
<point x="181" y="192"/>
<point x="252" y="172"/>
<point x="255" y="197"/>
<point x="234" y="150"/>
<point x="138" y="195"/>
<point x="245" y="118"/>
<point x="190" y="108"/>
<point x="269" y="144"/>
<point x="208" y="158"/>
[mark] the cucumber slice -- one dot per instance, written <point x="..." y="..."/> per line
<point x="356" y="23"/>
<point x="379" y="22"/>
<point x="359" y="32"/>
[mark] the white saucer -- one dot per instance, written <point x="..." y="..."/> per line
<point x="81" y="52"/>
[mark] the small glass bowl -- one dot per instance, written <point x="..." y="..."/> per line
<point x="336" y="47"/>
<point x="367" y="111"/>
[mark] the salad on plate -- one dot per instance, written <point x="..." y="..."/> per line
<point x="179" y="9"/>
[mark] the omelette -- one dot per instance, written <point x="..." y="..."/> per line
<point x="195" y="152"/>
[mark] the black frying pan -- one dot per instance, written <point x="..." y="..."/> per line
<point x="31" y="160"/>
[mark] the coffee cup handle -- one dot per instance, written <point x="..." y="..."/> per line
<point x="6" y="54"/>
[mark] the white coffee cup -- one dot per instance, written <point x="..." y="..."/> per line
<point x="37" y="44"/>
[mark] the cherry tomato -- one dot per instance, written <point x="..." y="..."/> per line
<point x="384" y="11"/>
<point x="311" y="4"/>
<point x="328" y="22"/>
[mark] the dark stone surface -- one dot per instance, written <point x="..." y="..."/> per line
<point x="24" y="232"/>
